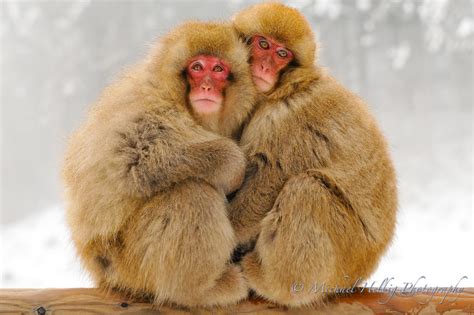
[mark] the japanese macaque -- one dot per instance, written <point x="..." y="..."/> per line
<point x="320" y="194"/>
<point x="146" y="175"/>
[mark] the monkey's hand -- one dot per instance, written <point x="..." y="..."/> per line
<point x="254" y="199"/>
<point x="241" y="250"/>
<point x="245" y="223"/>
<point x="223" y="163"/>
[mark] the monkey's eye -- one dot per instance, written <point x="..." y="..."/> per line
<point x="197" y="66"/>
<point x="218" y="69"/>
<point x="263" y="43"/>
<point x="282" y="53"/>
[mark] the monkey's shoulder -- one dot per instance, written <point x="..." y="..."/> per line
<point x="265" y="124"/>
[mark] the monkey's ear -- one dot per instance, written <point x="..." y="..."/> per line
<point x="183" y="74"/>
<point x="248" y="40"/>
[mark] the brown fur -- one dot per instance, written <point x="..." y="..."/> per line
<point x="320" y="190"/>
<point x="146" y="178"/>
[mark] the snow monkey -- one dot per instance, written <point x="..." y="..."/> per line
<point x="147" y="173"/>
<point x="320" y="193"/>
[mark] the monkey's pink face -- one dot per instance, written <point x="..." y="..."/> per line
<point x="268" y="58"/>
<point x="208" y="76"/>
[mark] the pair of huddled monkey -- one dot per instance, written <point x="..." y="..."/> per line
<point x="218" y="108"/>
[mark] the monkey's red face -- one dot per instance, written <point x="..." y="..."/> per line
<point x="268" y="58"/>
<point x="208" y="76"/>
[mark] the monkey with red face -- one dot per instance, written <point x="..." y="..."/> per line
<point x="147" y="173"/>
<point x="320" y="194"/>
<point x="207" y="76"/>
<point x="269" y="58"/>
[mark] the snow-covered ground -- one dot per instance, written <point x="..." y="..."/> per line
<point x="424" y="245"/>
<point x="37" y="252"/>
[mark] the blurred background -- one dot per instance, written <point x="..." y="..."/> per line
<point x="412" y="60"/>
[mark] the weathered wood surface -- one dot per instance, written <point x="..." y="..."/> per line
<point x="90" y="301"/>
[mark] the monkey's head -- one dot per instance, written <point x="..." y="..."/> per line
<point x="282" y="45"/>
<point x="205" y="66"/>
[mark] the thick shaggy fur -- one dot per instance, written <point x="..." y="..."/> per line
<point x="146" y="178"/>
<point x="320" y="190"/>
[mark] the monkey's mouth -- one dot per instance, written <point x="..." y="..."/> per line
<point x="261" y="79"/>
<point x="262" y="84"/>
<point x="205" y="100"/>
<point x="206" y="105"/>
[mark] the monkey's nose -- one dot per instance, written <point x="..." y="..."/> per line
<point x="206" y="87"/>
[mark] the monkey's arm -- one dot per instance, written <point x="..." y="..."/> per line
<point x="255" y="198"/>
<point x="115" y="162"/>
<point x="154" y="156"/>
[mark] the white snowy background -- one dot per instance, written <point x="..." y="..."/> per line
<point x="411" y="60"/>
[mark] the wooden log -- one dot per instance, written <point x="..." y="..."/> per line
<point x="91" y="301"/>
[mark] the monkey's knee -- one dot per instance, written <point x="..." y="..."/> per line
<point x="182" y="240"/>
<point x="311" y="204"/>
<point x="322" y="199"/>
<point x="314" y="198"/>
<point x="296" y="243"/>
<point x="304" y="204"/>
<point x="308" y="239"/>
